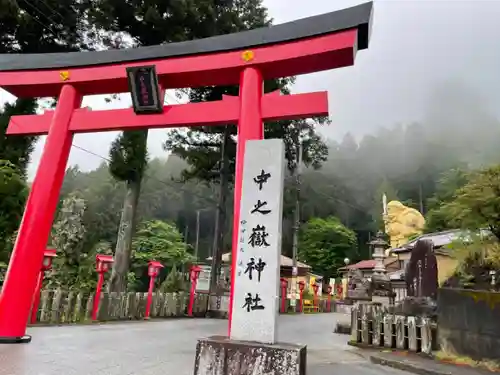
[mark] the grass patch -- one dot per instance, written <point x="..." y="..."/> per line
<point x="446" y="357"/>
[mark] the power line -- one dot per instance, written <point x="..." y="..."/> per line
<point x="74" y="145"/>
<point x="182" y="189"/>
<point x="51" y="9"/>
<point x="37" y="10"/>
<point x="40" y="13"/>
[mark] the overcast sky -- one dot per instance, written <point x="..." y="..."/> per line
<point x="416" y="44"/>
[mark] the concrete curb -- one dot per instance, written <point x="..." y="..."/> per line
<point x="405" y="366"/>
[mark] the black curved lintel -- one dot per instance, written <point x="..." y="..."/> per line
<point x="359" y="17"/>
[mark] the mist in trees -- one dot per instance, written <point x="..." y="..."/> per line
<point x="426" y="164"/>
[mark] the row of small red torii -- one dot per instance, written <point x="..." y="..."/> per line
<point x="103" y="265"/>
<point x="302" y="286"/>
<point x="249" y="111"/>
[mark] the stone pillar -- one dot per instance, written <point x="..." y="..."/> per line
<point x="389" y="330"/>
<point x="252" y="347"/>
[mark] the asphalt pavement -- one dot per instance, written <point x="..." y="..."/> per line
<point x="168" y="347"/>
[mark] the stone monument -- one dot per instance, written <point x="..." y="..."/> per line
<point x="358" y="287"/>
<point x="253" y="347"/>
<point x="421" y="276"/>
<point x="380" y="286"/>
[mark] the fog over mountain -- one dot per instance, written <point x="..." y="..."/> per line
<point x="429" y="61"/>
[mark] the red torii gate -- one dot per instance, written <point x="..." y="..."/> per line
<point x="309" y="45"/>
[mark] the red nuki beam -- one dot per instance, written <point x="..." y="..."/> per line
<point x="226" y="111"/>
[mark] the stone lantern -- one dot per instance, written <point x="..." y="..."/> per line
<point x="379" y="245"/>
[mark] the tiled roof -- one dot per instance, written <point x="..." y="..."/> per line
<point x="439" y="239"/>
<point x="362" y="265"/>
<point x="368" y="264"/>
<point x="285" y="261"/>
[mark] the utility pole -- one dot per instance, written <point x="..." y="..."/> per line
<point x="186" y="232"/>
<point x="197" y="244"/>
<point x="296" y="227"/>
<point x="420" y="198"/>
<point x="220" y="216"/>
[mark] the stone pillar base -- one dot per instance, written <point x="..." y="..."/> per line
<point x="218" y="355"/>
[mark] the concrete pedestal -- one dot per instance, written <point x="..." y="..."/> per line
<point x="218" y="355"/>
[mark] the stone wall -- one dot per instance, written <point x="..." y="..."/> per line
<point x="469" y="322"/>
<point x="374" y="325"/>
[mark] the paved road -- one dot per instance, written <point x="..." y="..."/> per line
<point x="168" y="347"/>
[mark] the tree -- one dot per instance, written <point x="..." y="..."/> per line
<point x="477" y="204"/>
<point x="437" y="217"/>
<point x="67" y="238"/>
<point x="54" y="26"/>
<point x="160" y="241"/>
<point x="324" y="244"/>
<point x="13" y="193"/>
<point x="128" y="156"/>
<point x="16" y="149"/>
<point x="174" y="282"/>
<point x="159" y="22"/>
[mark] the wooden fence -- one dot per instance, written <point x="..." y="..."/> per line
<point x="373" y="325"/>
<point x="62" y="307"/>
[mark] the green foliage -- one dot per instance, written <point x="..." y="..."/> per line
<point x="477" y="204"/>
<point x="201" y="147"/>
<point x="437" y="218"/>
<point x="87" y="275"/>
<point x="16" y="149"/>
<point x="13" y="193"/>
<point x="146" y="23"/>
<point x="67" y="235"/>
<point x="408" y="159"/>
<point x="476" y="255"/>
<point x="25" y="30"/>
<point x="308" y="294"/>
<point x="129" y="157"/>
<point x="3" y="270"/>
<point x="128" y="161"/>
<point x="160" y="241"/>
<point x="74" y="266"/>
<point x="324" y="244"/>
<point x="174" y="282"/>
<point x="153" y="22"/>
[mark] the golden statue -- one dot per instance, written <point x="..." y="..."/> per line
<point x="402" y="222"/>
